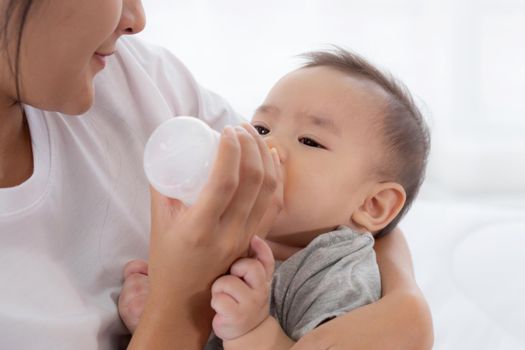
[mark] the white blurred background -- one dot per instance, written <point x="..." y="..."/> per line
<point x="464" y="60"/>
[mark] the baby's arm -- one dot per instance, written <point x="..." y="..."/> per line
<point x="241" y="303"/>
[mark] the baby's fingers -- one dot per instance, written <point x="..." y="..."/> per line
<point x="135" y="266"/>
<point x="223" y="304"/>
<point x="132" y="299"/>
<point x="135" y="285"/>
<point x="250" y="271"/>
<point x="263" y="253"/>
<point x="232" y="286"/>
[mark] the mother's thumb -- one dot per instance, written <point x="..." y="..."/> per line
<point x="163" y="207"/>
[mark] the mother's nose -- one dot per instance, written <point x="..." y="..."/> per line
<point x="133" y="18"/>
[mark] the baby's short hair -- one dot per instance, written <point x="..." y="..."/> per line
<point x="404" y="130"/>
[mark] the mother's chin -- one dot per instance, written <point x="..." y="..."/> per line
<point x="75" y="103"/>
<point x="76" y="108"/>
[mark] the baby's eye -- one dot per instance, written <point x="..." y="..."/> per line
<point x="311" y="143"/>
<point x="261" y="130"/>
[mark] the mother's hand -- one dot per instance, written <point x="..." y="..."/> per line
<point x="208" y="237"/>
<point x="191" y="247"/>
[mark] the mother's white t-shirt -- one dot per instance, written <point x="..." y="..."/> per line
<point x="66" y="232"/>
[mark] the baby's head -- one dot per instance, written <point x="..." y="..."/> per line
<point x="353" y="147"/>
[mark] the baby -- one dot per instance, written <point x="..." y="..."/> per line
<point x="353" y="147"/>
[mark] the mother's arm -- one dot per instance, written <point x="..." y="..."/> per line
<point x="399" y="320"/>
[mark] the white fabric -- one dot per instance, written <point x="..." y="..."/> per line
<point x="468" y="257"/>
<point x="66" y="232"/>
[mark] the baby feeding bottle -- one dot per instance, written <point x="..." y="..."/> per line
<point x="178" y="157"/>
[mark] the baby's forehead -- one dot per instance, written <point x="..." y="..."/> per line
<point x="333" y="96"/>
<point x="358" y="98"/>
<point x="349" y="89"/>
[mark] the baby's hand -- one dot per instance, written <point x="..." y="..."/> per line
<point x="134" y="293"/>
<point x="241" y="299"/>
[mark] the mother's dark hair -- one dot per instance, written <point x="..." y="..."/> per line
<point x="13" y="24"/>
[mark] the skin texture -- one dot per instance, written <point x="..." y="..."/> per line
<point x="58" y="62"/>
<point x="323" y="124"/>
<point x="61" y="78"/>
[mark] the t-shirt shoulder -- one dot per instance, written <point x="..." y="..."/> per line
<point x="337" y="272"/>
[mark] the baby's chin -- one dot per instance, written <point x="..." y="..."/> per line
<point x="296" y="238"/>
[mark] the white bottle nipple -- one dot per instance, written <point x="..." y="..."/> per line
<point x="178" y="157"/>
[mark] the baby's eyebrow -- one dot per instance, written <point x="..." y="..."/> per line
<point x="322" y="122"/>
<point x="267" y="109"/>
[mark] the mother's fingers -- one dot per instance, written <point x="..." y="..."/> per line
<point x="224" y="178"/>
<point x="251" y="173"/>
<point x="269" y="183"/>
<point x="277" y="202"/>
<point x="164" y="208"/>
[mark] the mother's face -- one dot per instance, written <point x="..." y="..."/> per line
<point x="62" y="47"/>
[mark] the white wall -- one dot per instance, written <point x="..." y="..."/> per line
<point x="464" y="60"/>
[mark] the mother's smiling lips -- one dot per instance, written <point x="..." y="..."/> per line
<point x="101" y="57"/>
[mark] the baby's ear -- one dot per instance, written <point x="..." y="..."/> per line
<point x="380" y="207"/>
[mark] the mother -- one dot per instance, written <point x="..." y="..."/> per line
<point x="74" y="204"/>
